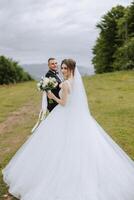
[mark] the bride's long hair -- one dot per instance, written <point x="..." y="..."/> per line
<point x="70" y="63"/>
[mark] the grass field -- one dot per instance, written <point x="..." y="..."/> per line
<point x="111" y="101"/>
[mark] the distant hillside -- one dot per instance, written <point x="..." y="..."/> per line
<point x="38" y="70"/>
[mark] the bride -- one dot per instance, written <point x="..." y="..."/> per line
<point x="69" y="156"/>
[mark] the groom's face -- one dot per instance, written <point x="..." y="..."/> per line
<point x="53" y="65"/>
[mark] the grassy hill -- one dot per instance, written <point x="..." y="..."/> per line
<point x="111" y="101"/>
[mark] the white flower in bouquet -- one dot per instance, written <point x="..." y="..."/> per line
<point x="46" y="84"/>
<point x="45" y="81"/>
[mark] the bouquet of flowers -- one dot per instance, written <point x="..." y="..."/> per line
<point x="47" y="84"/>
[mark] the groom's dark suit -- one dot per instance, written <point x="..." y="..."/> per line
<point x="56" y="90"/>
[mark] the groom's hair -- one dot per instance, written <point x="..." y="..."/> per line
<point x="51" y="59"/>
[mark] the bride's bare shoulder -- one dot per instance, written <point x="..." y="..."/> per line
<point x="64" y="85"/>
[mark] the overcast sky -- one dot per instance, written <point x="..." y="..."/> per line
<point x="31" y="31"/>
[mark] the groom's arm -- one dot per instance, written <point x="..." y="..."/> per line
<point x="47" y="75"/>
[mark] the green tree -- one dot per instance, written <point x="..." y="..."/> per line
<point x="130" y="20"/>
<point x="124" y="56"/>
<point x="108" y="41"/>
<point x="11" y="72"/>
<point x="126" y="23"/>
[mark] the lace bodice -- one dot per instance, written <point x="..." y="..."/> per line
<point x="70" y="88"/>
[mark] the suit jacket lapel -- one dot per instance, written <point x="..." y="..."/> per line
<point x="55" y="75"/>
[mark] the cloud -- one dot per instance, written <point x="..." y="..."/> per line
<point x="32" y="31"/>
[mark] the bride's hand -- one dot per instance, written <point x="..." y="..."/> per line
<point x="50" y="95"/>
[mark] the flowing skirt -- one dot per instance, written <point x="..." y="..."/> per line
<point x="70" y="157"/>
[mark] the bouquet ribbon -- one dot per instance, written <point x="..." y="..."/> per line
<point x="43" y="110"/>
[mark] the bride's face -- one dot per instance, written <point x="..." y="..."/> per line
<point x="65" y="71"/>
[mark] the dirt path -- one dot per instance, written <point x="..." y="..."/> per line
<point x="7" y="197"/>
<point x="19" y="120"/>
<point x="17" y="117"/>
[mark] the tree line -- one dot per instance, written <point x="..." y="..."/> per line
<point x="12" y="72"/>
<point x="114" y="48"/>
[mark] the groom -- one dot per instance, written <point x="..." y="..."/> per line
<point x="53" y="67"/>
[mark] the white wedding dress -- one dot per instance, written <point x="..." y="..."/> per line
<point x="70" y="157"/>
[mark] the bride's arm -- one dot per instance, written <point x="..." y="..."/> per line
<point x="63" y="99"/>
